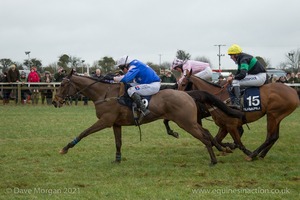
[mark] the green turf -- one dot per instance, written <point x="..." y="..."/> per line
<point x="158" y="167"/>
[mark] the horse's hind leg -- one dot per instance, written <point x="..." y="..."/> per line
<point x="169" y="130"/>
<point x="200" y="133"/>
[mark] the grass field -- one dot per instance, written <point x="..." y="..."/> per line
<point x="158" y="167"/>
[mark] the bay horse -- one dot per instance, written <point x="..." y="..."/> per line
<point x="169" y="104"/>
<point x="277" y="102"/>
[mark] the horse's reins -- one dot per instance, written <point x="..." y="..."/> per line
<point x="96" y="102"/>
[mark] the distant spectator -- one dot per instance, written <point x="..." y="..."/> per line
<point x="221" y="81"/>
<point x="59" y="75"/>
<point x="274" y="78"/>
<point x="168" y="77"/>
<point x="288" y="76"/>
<point x="47" y="93"/>
<point x="34" y="77"/>
<point x="13" y="75"/>
<point x="282" y="79"/>
<point x="293" y="80"/>
<point x="25" y="94"/>
<point x="98" y="74"/>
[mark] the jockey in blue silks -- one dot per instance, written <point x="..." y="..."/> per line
<point x="143" y="80"/>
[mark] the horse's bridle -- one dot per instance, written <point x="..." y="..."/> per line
<point x="69" y="81"/>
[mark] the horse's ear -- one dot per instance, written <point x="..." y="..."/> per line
<point x="191" y="72"/>
<point x="71" y="73"/>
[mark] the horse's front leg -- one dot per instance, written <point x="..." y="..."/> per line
<point x="118" y="141"/>
<point x="99" y="125"/>
<point x="169" y="130"/>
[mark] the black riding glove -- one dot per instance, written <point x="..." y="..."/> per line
<point x="109" y="77"/>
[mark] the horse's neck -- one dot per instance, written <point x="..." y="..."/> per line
<point x="200" y="84"/>
<point x="96" y="90"/>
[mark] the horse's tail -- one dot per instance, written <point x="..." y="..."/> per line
<point x="207" y="98"/>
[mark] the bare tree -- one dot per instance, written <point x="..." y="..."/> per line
<point x="165" y="65"/>
<point x="182" y="55"/>
<point x="5" y="63"/>
<point x="264" y="61"/>
<point x="293" y="60"/>
<point x="203" y="59"/>
<point x="107" y="64"/>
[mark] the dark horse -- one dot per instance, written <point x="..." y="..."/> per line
<point x="169" y="104"/>
<point x="277" y="102"/>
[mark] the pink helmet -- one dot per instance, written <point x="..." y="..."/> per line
<point x="177" y="63"/>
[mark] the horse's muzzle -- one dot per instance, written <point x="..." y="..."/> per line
<point x="57" y="102"/>
<point x="54" y="103"/>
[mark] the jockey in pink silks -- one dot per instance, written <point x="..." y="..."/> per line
<point x="199" y="69"/>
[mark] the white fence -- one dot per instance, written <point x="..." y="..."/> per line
<point x="54" y="85"/>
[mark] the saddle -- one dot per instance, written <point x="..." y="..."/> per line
<point x="125" y="100"/>
<point x="250" y="99"/>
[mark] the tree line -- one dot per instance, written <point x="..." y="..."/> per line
<point x="106" y="64"/>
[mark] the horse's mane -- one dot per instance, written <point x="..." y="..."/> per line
<point x="208" y="82"/>
<point x="101" y="80"/>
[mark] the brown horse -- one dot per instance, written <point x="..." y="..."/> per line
<point x="166" y="104"/>
<point x="277" y="102"/>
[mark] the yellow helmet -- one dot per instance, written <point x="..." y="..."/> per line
<point x="234" y="49"/>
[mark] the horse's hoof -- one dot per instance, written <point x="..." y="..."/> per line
<point x="260" y="158"/>
<point x="175" y="134"/>
<point x="223" y="153"/>
<point x="116" y="162"/>
<point x="213" y="163"/>
<point x="228" y="150"/>
<point x="248" y="158"/>
<point x="63" y="151"/>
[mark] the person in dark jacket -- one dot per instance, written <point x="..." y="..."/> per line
<point x="60" y="75"/>
<point x="98" y="74"/>
<point x="13" y="76"/>
<point x="250" y="72"/>
<point x="47" y="93"/>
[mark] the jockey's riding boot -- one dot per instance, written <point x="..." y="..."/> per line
<point x="138" y="100"/>
<point x="236" y="102"/>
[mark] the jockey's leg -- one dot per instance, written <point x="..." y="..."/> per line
<point x="138" y="100"/>
<point x="236" y="92"/>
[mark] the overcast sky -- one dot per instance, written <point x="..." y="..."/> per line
<point x="146" y="29"/>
